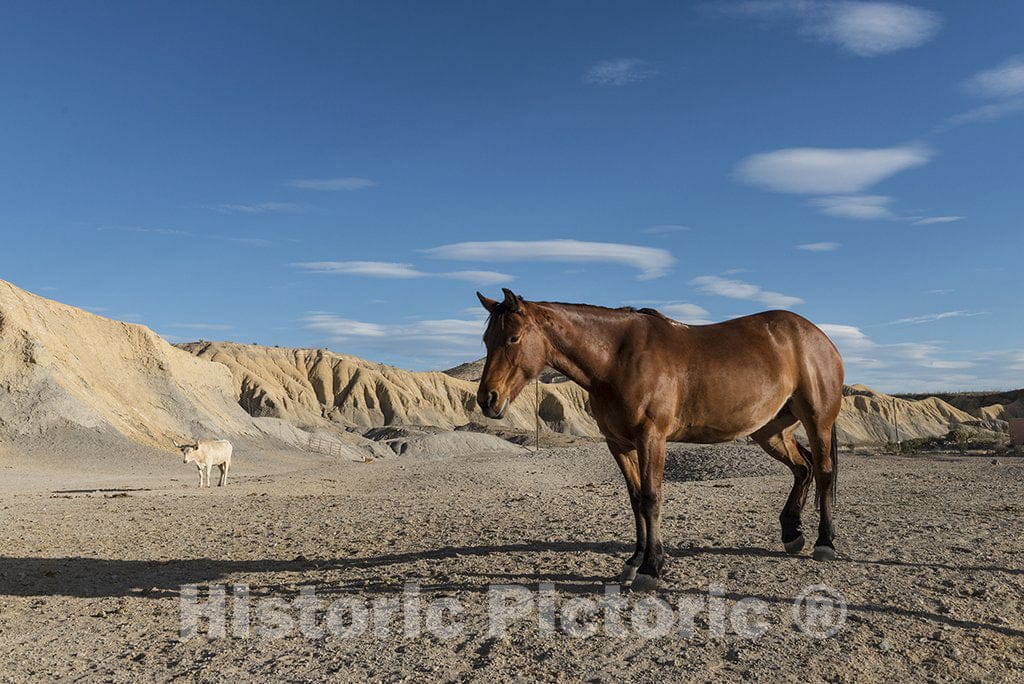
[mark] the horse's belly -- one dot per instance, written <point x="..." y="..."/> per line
<point x="707" y="435"/>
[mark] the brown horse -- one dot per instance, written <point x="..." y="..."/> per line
<point x="652" y="380"/>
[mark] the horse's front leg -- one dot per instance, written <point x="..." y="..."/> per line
<point x="651" y="453"/>
<point x="626" y="457"/>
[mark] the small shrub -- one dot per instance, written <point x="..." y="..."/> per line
<point x="960" y="437"/>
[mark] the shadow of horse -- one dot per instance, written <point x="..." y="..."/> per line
<point x="106" y="578"/>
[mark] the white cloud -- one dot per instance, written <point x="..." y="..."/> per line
<point x="650" y="261"/>
<point x="430" y="341"/>
<point x="941" y="292"/>
<point x="928" y="318"/>
<point x="737" y="289"/>
<point x="686" y="313"/>
<point x="1004" y="83"/>
<point x="480" y="277"/>
<point x="930" y="220"/>
<point x="819" y="246"/>
<point x="619" y="72"/>
<point x="665" y="228"/>
<point x="905" y="366"/>
<point x="374" y="269"/>
<point x="1005" y="80"/>
<point x="812" y="170"/>
<point x="390" y="269"/>
<point x="989" y="112"/>
<point x="339" y="328"/>
<point x="847" y="337"/>
<point x="258" y="208"/>
<point x="862" y="207"/>
<point x="332" y="184"/>
<point x="866" y="29"/>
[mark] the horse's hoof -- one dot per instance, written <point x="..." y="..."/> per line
<point x="795" y="546"/>
<point x="644" y="582"/>
<point x="824" y="553"/>
<point x="627" y="574"/>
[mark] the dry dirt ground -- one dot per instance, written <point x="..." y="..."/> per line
<point x="92" y="565"/>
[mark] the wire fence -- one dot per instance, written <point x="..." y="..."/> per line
<point x="326" y="446"/>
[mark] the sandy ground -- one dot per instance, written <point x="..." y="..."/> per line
<point x="92" y="565"/>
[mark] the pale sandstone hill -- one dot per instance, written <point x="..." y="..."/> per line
<point x="867" y="417"/>
<point x="62" y="367"/>
<point x="309" y="386"/>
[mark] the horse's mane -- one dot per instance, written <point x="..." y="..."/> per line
<point x="625" y="310"/>
<point x="645" y="311"/>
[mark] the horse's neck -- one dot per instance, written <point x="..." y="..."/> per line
<point x="582" y="343"/>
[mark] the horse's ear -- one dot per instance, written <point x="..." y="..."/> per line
<point x="512" y="300"/>
<point x="487" y="302"/>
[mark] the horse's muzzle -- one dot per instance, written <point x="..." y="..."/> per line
<point x="490" y="406"/>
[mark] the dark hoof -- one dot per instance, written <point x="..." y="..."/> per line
<point x="644" y="582"/>
<point x="795" y="546"/>
<point x="627" y="574"/>
<point x="824" y="553"/>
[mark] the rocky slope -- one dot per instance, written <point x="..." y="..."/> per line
<point x="308" y="387"/>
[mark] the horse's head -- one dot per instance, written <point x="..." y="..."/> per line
<point x="516" y="352"/>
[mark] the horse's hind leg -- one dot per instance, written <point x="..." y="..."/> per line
<point x="776" y="438"/>
<point x="627" y="459"/>
<point x="823" y="446"/>
<point x="820" y="428"/>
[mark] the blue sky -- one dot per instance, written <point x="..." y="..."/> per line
<point x="309" y="174"/>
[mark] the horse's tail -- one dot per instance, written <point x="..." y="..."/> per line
<point x="834" y="457"/>
<point x="834" y="454"/>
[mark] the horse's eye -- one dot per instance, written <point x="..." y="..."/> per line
<point x="514" y="339"/>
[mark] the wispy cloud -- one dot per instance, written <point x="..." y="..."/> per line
<point x="1003" y="83"/>
<point x="917" y="366"/>
<point x="1005" y="80"/>
<point x="826" y="171"/>
<point x="684" y="312"/>
<point x="347" y="184"/>
<point x="931" y="220"/>
<point x="929" y="318"/>
<point x="374" y="269"/>
<point x="650" y="261"/>
<point x="944" y="291"/>
<point x="866" y="29"/>
<point x="390" y="269"/>
<point x="664" y="229"/>
<point x="862" y="207"/>
<point x="479" y="277"/>
<point x="443" y="339"/>
<point x="737" y="289"/>
<point x="619" y="72"/>
<point x="258" y="208"/>
<point x="173" y="232"/>
<point x="988" y="112"/>
<point x="820" y="246"/>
